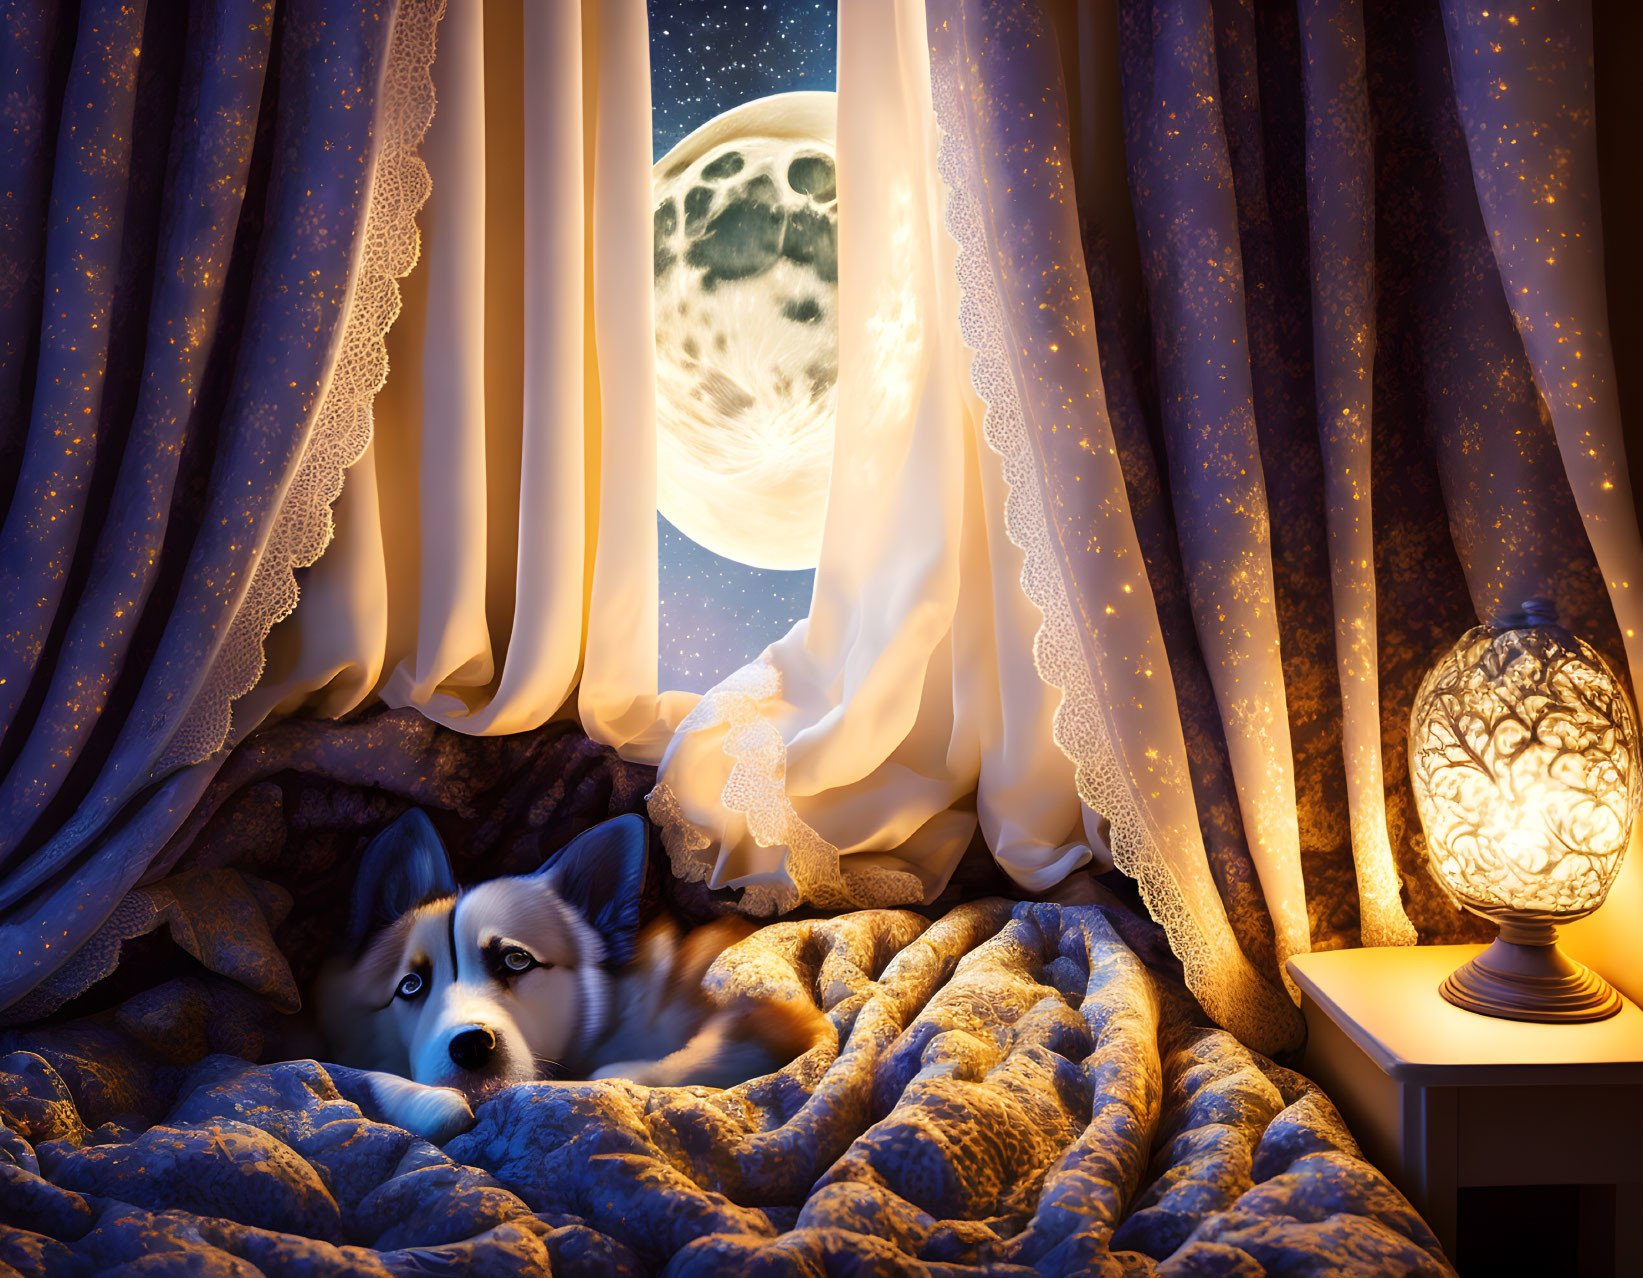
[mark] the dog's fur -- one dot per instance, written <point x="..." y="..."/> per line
<point x="428" y="998"/>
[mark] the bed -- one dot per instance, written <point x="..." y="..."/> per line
<point x="1015" y="1087"/>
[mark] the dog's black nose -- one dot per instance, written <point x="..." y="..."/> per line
<point x="472" y="1048"/>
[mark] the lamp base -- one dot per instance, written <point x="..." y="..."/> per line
<point x="1523" y="976"/>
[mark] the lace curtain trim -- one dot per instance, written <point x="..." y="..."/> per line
<point x="1215" y="968"/>
<point x="756" y="789"/>
<point x="400" y="186"/>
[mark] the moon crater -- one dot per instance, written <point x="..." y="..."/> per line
<point x="746" y="280"/>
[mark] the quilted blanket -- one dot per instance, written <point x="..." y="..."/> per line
<point x="1015" y="1088"/>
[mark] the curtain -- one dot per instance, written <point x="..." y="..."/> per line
<point x="500" y="535"/>
<point x="1029" y="314"/>
<point x="203" y="214"/>
<point x="493" y="563"/>
<point x="1323" y="384"/>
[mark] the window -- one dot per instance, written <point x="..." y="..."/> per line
<point x="746" y="337"/>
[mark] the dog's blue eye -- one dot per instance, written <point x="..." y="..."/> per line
<point x="517" y="961"/>
<point x="410" y="986"/>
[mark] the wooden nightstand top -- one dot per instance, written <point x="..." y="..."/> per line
<point x="1386" y="1000"/>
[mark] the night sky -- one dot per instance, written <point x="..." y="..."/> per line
<point x="707" y="56"/>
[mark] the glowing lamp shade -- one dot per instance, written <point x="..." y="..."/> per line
<point x="1523" y="755"/>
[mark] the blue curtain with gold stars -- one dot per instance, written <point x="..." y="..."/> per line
<point x="1345" y="338"/>
<point x="181" y="195"/>
<point x="1330" y="352"/>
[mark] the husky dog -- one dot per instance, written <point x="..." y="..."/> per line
<point x="450" y="995"/>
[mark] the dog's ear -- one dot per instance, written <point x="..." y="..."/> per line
<point x="403" y="864"/>
<point x="600" y="874"/>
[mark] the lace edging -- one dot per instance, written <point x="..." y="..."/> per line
<point x="756" y="789"/>
<point x="97" y="957"/>
<point x="304" y="526"/>
<point x="1218" y="974"/>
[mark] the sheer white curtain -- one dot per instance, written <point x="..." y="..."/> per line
<point x="495" y="562"/>
<point x="489" y="562"/>
<point x="837" y="767"/>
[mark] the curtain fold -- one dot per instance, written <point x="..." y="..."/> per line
<point x="33" y="68"/>
<point x="207" y="181"/>
<point x="203" y="249"/>
<point x="1100" y="648"/>
<point x="1197" y="230"/>
<point x="83" y="254"/>
<point x="516" y="568"/>
<point x="1340" y="178"/>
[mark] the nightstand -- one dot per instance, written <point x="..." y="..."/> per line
<point x="1443" y="1099"/>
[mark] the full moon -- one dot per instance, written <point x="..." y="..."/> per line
<point x="747" y="353"/>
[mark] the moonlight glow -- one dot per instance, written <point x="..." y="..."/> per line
<point x="746" y="330"/>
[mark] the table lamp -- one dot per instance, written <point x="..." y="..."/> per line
<point x="1523" y="755"/>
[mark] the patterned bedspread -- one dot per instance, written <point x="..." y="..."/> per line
<point x="1016" y="1088"/>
